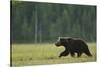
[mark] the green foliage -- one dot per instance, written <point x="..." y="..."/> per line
<point x="36" y="54"/>
<point x="53" y="20"/>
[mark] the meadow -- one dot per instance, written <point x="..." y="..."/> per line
<point x="40" y="54"/>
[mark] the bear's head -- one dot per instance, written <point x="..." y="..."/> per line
<point x="62" y="41"/>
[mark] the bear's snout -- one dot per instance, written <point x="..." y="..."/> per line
<point x="57" y="44"/>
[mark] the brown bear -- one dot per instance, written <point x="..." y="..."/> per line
<point x="72" y="46"/>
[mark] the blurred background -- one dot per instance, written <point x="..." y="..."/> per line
<point x="34" y="22"/>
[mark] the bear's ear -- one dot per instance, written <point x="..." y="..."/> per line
<point x="70" y="40"/>
<point x="63" y="40"/>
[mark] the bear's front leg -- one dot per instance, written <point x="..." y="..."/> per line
<point x="79" y="54"/>
<point x="72" y="54"/>
<point x="64" y="53"/>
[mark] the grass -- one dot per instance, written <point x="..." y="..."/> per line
<point x="39" y="54"/>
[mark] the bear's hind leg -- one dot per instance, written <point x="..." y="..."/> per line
<point x="88" y="54"/>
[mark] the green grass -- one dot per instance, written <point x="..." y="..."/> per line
<point x="39" y="54"/>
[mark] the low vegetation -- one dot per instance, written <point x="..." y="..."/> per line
<point x="39" y="54"/>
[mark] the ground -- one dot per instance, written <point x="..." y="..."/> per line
<point x="39" y="54"/>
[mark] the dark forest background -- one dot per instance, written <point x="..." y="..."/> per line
<point x="34" y="22"/>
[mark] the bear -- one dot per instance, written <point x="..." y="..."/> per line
<point x="72" y="46"/>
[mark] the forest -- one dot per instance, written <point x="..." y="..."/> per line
<point x="40" y="22"/>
